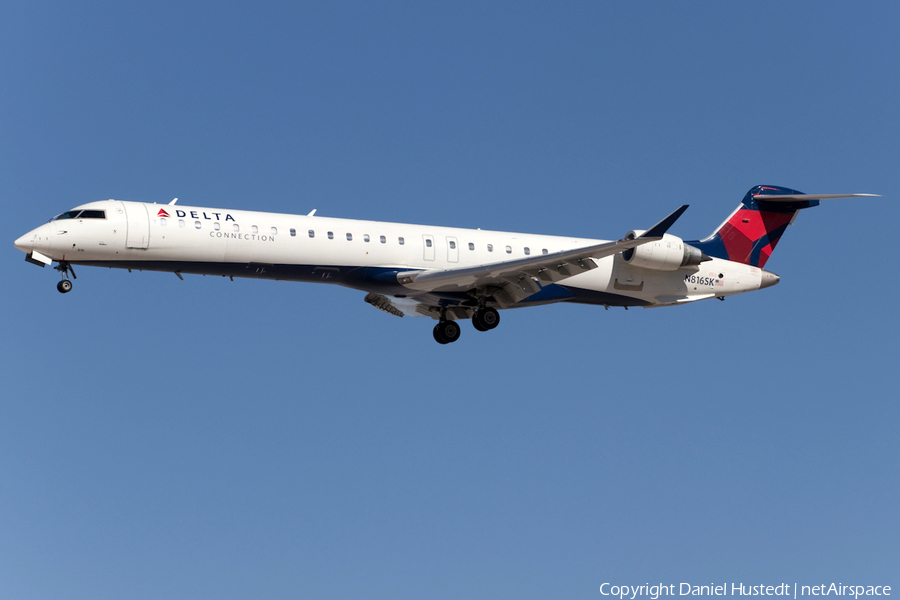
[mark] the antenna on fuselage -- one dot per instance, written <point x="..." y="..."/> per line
<point x="174" y="200"/>
<point x="312" y="213"/>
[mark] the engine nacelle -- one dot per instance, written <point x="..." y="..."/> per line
<point x="667" y="254"/>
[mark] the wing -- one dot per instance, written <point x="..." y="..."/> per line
<point x="514" y="280"/>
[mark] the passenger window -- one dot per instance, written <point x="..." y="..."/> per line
<point x="383" y="240"/>
<point x="527" y="250"/>
<point x="544" y="251"/>
<point x="254" y="229"/>
<point x="330" y="235"/>
<point x="162" y="222"/>
<point x="509" y="249"/>
<point x="273" y="231"/>
<point x="401" y="240"/>
<point x="490" y="247"/>
<point x="181" y="222"/>
<point x="471" y="246"/>
<point x="349" y="237"/>
<point x="366" y="237"/>
<point x="428" y="243"/>
<point x="197" y="224"/>
<point x="216" y="226"/>
<point x="453" y="245"/>
<point x="312" y="233"/>
<point x="236" y="227"/>
<point x="293" y="232"/>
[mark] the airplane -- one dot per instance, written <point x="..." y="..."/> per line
<point x="448" y="274"/>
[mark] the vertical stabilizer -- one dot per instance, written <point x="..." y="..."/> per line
<point x="750" y="234"/>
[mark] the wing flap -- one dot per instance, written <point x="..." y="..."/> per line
<point x="383" y="303"/>
<point x="409" y="307"/>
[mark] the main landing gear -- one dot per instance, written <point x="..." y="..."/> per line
<point x="65" y="286"/>
<point x="484" y="319"/>
<point x="446" y="332"/>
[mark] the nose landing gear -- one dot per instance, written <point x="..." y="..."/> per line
<point x="65" y="286"/>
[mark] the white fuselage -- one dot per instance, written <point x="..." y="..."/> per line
<point x="365" y="255"/>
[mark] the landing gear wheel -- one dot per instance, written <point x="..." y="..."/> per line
<point x="486" y="319"/>
<point x="437" y="335"/>
<point x="64" y="286"/>
<point x="490" y="318"/>
<point x="450" y="330"/>
<point x="446" y="332"/>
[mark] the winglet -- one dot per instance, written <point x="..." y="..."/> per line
<point x="663" y="226"/>
<point x="174" y="200"/>
<point x="312" y="213"/>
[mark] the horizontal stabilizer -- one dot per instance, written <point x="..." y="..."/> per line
<point x="795" y="197"/>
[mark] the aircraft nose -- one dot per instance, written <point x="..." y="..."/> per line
<point x="768" y="280"/>
<point x="26" y="242"/>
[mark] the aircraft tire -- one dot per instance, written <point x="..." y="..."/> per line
<point x="450" y="331"/>
<point x="447" y="332"/>
<point x="476" y="322"/>
<point x="64" y="286"/>
<point x="488" y="318"/>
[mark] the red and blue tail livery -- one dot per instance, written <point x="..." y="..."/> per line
<point x="446" y="273"/>
<point x="750" y="234"/>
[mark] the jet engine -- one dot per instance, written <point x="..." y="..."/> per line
<point x="667" y="254"/>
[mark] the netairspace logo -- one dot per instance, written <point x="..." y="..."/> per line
<point x="631" y="592"/>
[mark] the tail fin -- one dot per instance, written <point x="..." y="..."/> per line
<point x="750" y="234"/>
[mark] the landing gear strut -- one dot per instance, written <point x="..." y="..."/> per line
<point x="446" y="332"/>
<point x="65" y="286"/>
<point x="485" y="319"/>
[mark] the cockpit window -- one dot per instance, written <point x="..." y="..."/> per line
<point x="81" y="214"/>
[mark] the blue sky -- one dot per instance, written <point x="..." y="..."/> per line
<point x="214" y="439"/>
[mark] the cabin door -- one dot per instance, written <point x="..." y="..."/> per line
<point x="138" y="231"/>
